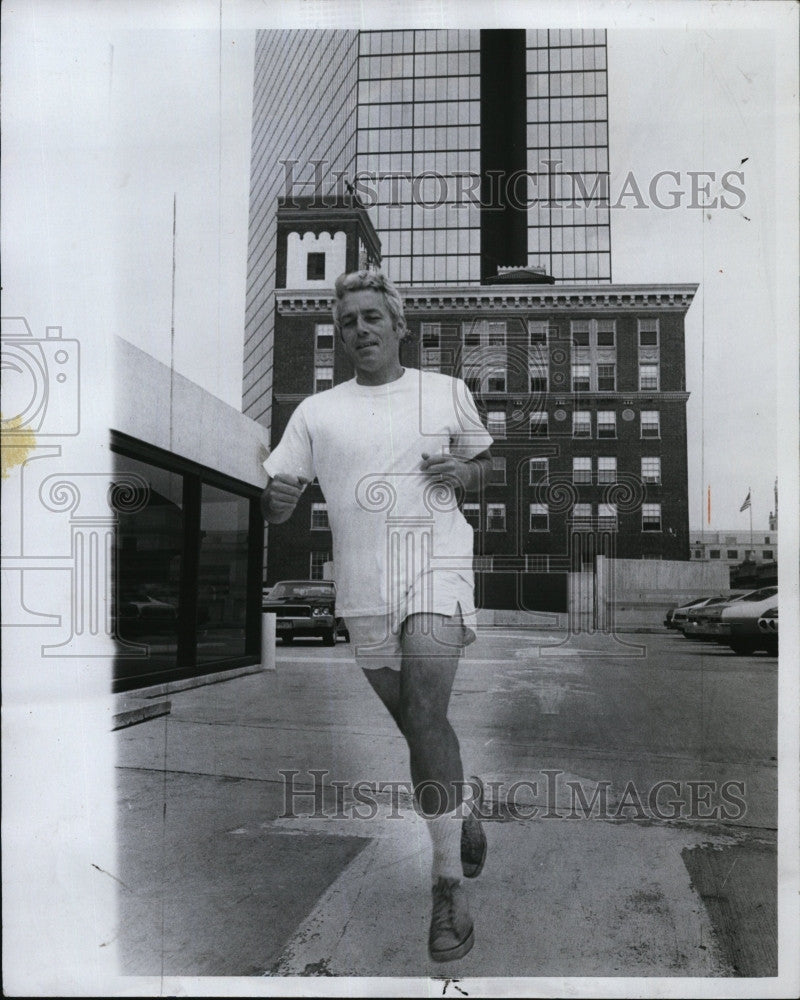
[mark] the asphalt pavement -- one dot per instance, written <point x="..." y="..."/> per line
<point x="266" y="826"/>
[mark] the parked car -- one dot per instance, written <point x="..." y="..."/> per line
<point x="669" y="619"/>
<point x="742" y="618"/>
<point x="706" y="622"/>
<point x="701" y="621"/>
<point x="768" y="625"/>
<point x="680" y="615"/>
<point x="305" y="608"/>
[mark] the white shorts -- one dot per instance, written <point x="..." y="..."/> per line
<point x="377" y="644"/>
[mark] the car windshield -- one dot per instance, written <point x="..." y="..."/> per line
<point x="760" y="595"/>
<point x="301" y="591"/>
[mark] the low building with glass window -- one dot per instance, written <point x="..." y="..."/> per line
<point x="188" y="532"/>
<point x="582" y="387"/>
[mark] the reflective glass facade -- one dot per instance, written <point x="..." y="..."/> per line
<point x="569" y="230"/>
<point x="304" y="108"/>
<point x="419" y="136"/>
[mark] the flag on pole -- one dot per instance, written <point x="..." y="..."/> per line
<point x="746" y="503"/>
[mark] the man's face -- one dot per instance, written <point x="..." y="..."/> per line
<point x="370" y="339"/>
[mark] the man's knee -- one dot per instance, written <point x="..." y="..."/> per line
<point x="423" y="711"/>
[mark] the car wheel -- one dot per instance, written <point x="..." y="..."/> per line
<point x="741" y="647"/>
<point x="329" y="638"/>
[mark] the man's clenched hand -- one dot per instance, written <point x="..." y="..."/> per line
<point x="280" y="497"/>
<point x="448" y="468"/>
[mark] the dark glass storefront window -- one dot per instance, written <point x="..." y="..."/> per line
<point x="149" y="552"/>
<point x="188" y="569"/>
<point x="222" y="575"/>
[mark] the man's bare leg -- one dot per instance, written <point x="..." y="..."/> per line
<point x="426" y="682"/>
<point x="417" y="697"/>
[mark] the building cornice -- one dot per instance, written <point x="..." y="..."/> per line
<point x="556" y="398"/>
<point x="519" y="298"/>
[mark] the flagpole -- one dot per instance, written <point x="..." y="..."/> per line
<point x="750" y="497"/>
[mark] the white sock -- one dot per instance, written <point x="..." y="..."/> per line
<point x="445" y="832"/>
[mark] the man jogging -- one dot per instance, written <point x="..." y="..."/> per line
<point x="391" y="449"/>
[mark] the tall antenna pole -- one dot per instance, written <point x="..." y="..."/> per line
<point x="172" y="318"/>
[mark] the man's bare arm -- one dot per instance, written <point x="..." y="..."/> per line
<point x="471" y="474"/>
<point x="280" y="497"/>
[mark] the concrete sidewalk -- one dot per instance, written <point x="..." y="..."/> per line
<point x="218" y="881"/>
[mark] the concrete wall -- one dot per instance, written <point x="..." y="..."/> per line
<point x="184" y="418"/>
<point x="640" y="591"/>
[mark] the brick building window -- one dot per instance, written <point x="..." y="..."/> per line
<point x="323" y="355"/>
<point x="323" y="337"/>
<point x="606" y="334"/>
<point x="318" y="560"/>
<point x="472" y="513"/>
<point x="581" y="469"/>
<point x="582" y="424"/>
<point x="496" y="423"/>
<point x="581" y="377"/>
<point x="496" y="333"/>
<point x="319" y="516"/>
<point x="607" y="469"/>
<point x="495" y="517"/>
<point x="714" y="554"/>
<point x="648" y="333"/>
<point x="498" y="474"/>
<point x="496" y="379"/>
<point x="649" y="355"/>
<point x="580" y="333"/>
<point x="594" y="355"/>
<point x="651" y="517"/>
<point x="431" y="357"/>
<point x="323" y="377"/>
<point x="537" y="470"/>
<point x="648" y="376"/>
<point x="768" y="554"/>
<point x="733" y="554"/>
<point x="315" y="267"/>
<point x="582" y="516"/>
<point x="538" y="379"/>
<point x="607" y="516"/>
<point x="606" y="378"/>
<point x="538" y="425"/>
<point x="651" y="469"/>
<point x="537" y="332"/>
<point x="650" y="423"/>
<point x="606" y="424"/>
<point x="539" y="517"/>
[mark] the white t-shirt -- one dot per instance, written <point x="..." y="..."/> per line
<point x="391" y="523"/>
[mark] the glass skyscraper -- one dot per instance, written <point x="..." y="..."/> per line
<point x="471" y="150"/>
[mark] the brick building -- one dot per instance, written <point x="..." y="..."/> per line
<point x="582" y="387"/>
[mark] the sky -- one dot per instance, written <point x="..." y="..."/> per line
<point x="115" y="121"/>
